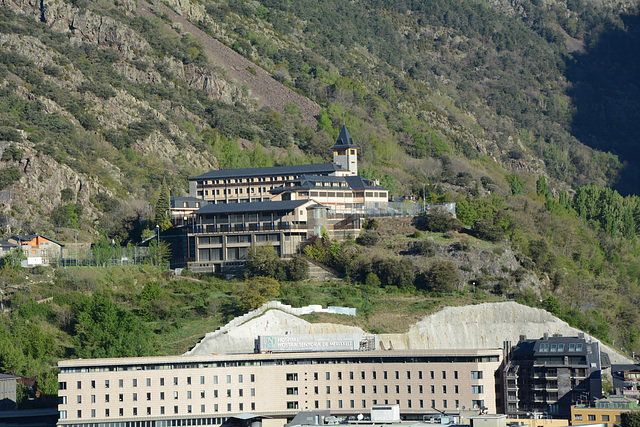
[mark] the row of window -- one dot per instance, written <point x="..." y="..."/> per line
<point x="148" y="382"/>
<point x="475" y="389"/>
<point x="244" y="180"/>
<point x="475" y="375"/>
<point x="93" y="413"/>
<point x="592" y="417"/>
<point x="552" y="348"/>
<point x="176" y="396"/>
<point x="156" y="423"/>
<point x="421" y="403"/>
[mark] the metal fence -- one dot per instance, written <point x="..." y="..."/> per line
<point x="125" y="255"/>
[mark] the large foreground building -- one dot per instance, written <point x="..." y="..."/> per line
<point x="206" y="390"/>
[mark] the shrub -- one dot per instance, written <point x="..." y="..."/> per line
<point x="425" y="248"/>
<point x="442" y="277"/>
<point x="437" y="221"/>
<point x="297" y="269"/>
<point x="9" y="176"/>
<point x="9" y="134"/>
<point x="368" y="238"/>
<point x="485" y="229"/>
<point x="12" y="153"/>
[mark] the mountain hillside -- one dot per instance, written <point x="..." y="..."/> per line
<point x="524" y="113"/>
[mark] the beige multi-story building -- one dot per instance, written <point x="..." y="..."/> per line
<point x="205" y="390"/>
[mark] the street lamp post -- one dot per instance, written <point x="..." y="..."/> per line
<point x="75" y="232"/>
<point x="158" y="244"/>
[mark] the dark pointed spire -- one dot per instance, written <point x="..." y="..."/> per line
<point x="344" y="140"/>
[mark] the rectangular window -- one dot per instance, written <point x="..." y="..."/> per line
<point x="215" y="407"/>
<point x="240" y="393"/>
<point x="315" y="390"/>
<point x="135" y="397"/>
<point x="228" y="392"/>
<point x="228" y="379"/>
<point x="120" y="383"/>
<point x="106" y="383"/>
<point x="215" y="394"/>
<point x="188" y="409"/>
<point x="79" y="413"/>
<point x="175" y="409"/>
<point x="476" y="375"/>
<point x="148" y="396"/>
<point x="386" y="389"/>
<point x="202" y="408"/>
<point x="432" y="375"/>
<point x="578" y="417"/>
<point x="455" y="375"/>
<point x="364" y="389"/>
<point x="328" y="404"/>
<point x="148" y="382"/>
<point x="201" y="394"/>
<point x="605" y="418"/>
<point x="444" y="389"/>
<point x="362" y="375"/>
<point x="328" y="389"/>
<point x="408" y="375"/>
<point x="477" y="389"/>
<point x="455" y="389"/>
<point x="135" y="382"/>
<point x="350" y="375"/>
<point x="421" y="403"/>
<point x="444" y="403"/>
<point x="433" y="403"/>
<point x="189" y="394"/>
<point x="162" y="381"/>
<point x="339" y="404"/>
<point x="292" y="377"/>
<point x="292" y="405"/>
<point x="79" y="385"/>
<point x="339" y="389"/>
<point x="375" y="389"/>
<point x="253" y="392"/>
<point x="328" y="375"/>
<point x="79" y="398"/>
<point x="175" y="380"/>
<point x="433" y="389"/>
<point x="374" y="375"/>
<point x="93" y="413"/>
<point x="420" y="389"/>
<point x="397" y="375"/>
<point x="315" y="376"/>
<point x="253" y="378"/>
<point x="253" y="406"/>
<point x="106" y="398"/>
<point x="397" y="389"/>
<point x="339" y="375"/>
<point x="93" y="384"/>
<point x="202" y="379"/>
<point x="384" y="374"/>
<point x="135" y="411"/>
<point x="444" y="375"/>
<point x="215" y="379"/>
<point x="409" y="389"/>
<point x="316" y="404"/>
<point x="240" y="378"/>
<point x="162" y="410"/>
<point x="364" y="403"/>
<point x="148" y="410"/>
<point x="162" y="395"/>
<point x="419" y="375"/>
<point x="175" y="395"/>
<point x="592" y="417"/>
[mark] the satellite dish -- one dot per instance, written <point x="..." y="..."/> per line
<point x="360" y="417"/>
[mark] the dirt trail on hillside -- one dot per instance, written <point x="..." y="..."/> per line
<point x="267" y="91"/>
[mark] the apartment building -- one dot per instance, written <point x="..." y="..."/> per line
<point x="606" y="411"/>
<point x="206" y="390"/>
<point x="342" y="194"/>
<point x="626" y="380"/>
<point x="548" y="375"/>
<point x="223" y="233"/>
<point x="335" y="184"/>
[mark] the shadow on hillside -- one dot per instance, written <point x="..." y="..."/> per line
<point x="606" y="93"/>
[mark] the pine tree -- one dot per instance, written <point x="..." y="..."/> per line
<point x="163" y="208"/>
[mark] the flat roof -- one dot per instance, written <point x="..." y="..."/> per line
<point x="379" y="354"/>
<point x="252" y="207"/>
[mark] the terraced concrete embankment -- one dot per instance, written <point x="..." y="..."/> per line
<point x="478" y="326"/>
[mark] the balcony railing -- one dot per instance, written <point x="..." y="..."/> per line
<point x="241" y="228"/>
